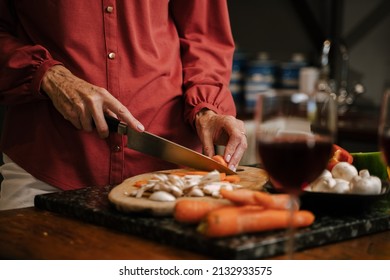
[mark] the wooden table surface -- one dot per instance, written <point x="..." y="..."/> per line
<point x="31" y="233"/>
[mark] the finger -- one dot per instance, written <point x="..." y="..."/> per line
<point x="69" y="114"/>
<point x="207" y="141"/>
<point x="124" y="114"/>
<point x="98" y="120"/>
<point x="85" y="118"/>
<point x="235" y="149"/>
<point x="101" y="124"/>
<point x="208" y="146"/>
<point x="74" y="119"/>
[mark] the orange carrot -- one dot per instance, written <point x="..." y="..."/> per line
<point x="196" y="172"/>
<point x="193" y="210"/>
<point x="275" y="201"/>
<point x="228" y="221"/>
<point x="232" y="178"/>
<point x="251" y="197"/>
<point x="219" y="159"/>
<point x="178" y="173"/>
<point x="239" y="196"/>
<point x="140" y="183"/>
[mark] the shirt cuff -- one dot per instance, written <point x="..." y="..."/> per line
<point x="39" y="73"/>
<point x="215" y="98"/>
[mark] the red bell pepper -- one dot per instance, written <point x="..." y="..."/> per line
<point x="338" y="155"/>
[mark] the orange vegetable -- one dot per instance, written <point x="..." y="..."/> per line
<point x="139" y="183"/>
<point x="219" y="159"/>
<point x="179" y="173"/>
<point x="231" y="178"/>
<point x="239" y="196"/>
<point x="251" y="197"/>
<point x="338" y="155"/>
<point x="228" y="221"/>
<point x="196" y="172"/>
<point x="193" y="211"/>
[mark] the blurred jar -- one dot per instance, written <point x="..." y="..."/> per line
<point x="308" y="77"/>
<point x="260" y="77"/>
<point x="289" y="71"/>
<point x="237" y="80"/>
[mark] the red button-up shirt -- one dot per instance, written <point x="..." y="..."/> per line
<point x="164" y="60"/>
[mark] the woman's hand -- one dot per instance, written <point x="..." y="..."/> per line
<point x="82" y="103"/>
<point x="214" y="129"/>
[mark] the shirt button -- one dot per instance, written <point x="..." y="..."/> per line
<point x="116" y="148"/>
<point x="111" y="55"/>
<point x="109" y="9"/>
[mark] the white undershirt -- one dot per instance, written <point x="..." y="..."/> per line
<point x="19" y="187"/>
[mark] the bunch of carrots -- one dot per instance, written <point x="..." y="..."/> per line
<point x="242" y="211"/>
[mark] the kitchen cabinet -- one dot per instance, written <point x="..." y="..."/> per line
<point x="360" y="39"/>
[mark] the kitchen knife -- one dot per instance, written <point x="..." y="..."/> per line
<point x="153" y="145"/>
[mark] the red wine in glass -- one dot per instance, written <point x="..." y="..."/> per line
<point x="295" y="161"/>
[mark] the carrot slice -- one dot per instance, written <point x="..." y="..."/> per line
<point x="220" y="159"/>
<point x="140" y="183"/>
<point x="179" y="173"/>
<point x="232" y="178"/>
<point x="196" y="172"/>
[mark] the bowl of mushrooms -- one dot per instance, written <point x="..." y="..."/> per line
<point x="350" y="187"/>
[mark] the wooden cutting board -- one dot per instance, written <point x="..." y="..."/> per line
<point x="250" y="177"/>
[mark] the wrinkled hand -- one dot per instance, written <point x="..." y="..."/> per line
<point x="83" y="103"/>
<point x="214" y="129"/>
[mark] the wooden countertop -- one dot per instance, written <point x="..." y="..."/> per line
<point x="31" y="233"/>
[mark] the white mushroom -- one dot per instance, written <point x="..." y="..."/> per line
<point x="323" y="184"/>
<point x="176" y="191"/>
<point x="162" y="196"/>
<point x="344" y="170"/>
<point x="364" y="173"/>
<point x="326" y="174"/>
<point x="160" y="177"/>
<point x="341" y="186"/>
<point x="195" y="192"/>
<point x="176" y="180"/>
<point x="366" y="185"/>
<point x="213" y="176"/>
<point x="211" y="188"/>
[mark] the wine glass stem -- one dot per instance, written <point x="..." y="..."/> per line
<point x="290" y="243"/>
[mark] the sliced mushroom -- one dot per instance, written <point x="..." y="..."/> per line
<point x="162" y="196"/>
<point x="195" y="192"/>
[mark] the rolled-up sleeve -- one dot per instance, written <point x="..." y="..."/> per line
<point x="22" y="64"/>
<point x="207" y="48"/>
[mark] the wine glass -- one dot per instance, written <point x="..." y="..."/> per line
<point x="384" y="127"/>
<point x="294" y="135"/>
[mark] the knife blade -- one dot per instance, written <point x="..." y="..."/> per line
<point x="159" y="147"/>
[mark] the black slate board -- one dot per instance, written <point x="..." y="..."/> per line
<point x="91" y="205"/>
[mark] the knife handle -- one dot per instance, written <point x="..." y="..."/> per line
<point x="113" y="123"/>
